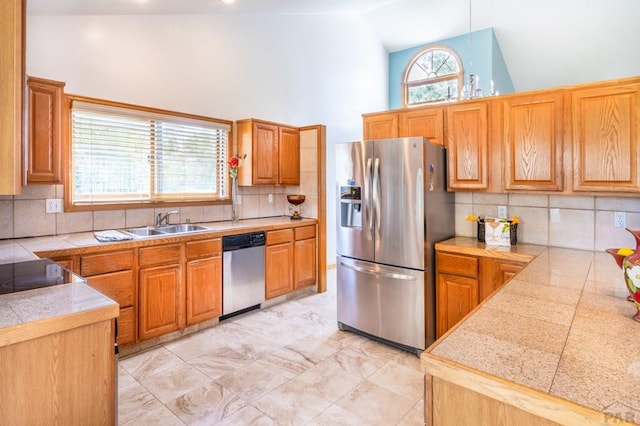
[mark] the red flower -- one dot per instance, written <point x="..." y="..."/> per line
<point x="234" y="162"/>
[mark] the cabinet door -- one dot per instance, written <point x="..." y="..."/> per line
<point x="428" y="123"/>
<point x="495" y="273"/>
<point x="305" y="263"/>
<point x="265" y="154"/>
<point x="278" y="270"/>
<point x="455" y="297"/>
<point x="12" y="31"/>
<point x="44" y="131"/>
<point x="159" y="301"/>
<point x="204" y="289"/>
<point x="533" y="142"/>
<point x="467" y="145"/>
<point x="380" y="126"/>
<point x="288" y="156"/>
<point x="606" y="125"/>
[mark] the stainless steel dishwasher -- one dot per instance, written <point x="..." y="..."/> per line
<point x="242" y="273"/>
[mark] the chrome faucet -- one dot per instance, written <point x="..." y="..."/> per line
<point x="165" y="217"/>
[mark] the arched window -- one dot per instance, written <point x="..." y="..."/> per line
<point x="433" y="74"/>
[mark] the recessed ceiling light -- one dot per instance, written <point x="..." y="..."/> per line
<point x="228" y="1"/>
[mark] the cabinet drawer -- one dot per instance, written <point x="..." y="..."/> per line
<point x="457" y="264"/>
<point x="305" y="232"/>
<point x="118" y="286"/>
<point x="278" y="237"/>
<point x="126" y="326"/>
<point x="159" y="255"/>
<point x="102" y="263"/>
<point x="204" y="248"/>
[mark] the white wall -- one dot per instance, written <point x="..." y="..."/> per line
<point x="299" y="70"/>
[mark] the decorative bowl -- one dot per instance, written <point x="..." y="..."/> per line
<point x="295" y="199"/>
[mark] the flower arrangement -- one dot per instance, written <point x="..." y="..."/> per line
<point x="509" y="226"/>
<point x="234" y="164"/>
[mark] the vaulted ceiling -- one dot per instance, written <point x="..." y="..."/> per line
<point x="545" y="43"/>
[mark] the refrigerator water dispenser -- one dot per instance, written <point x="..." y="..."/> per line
<point x="350" y="207"/>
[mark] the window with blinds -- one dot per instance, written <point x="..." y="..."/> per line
<point x="126" y="155"/>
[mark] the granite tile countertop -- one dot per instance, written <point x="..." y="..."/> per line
<point x="561" y="326"/>
<point x="18" y="250"/>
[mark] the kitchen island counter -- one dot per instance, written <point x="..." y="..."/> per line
<point x="555" y="345"/>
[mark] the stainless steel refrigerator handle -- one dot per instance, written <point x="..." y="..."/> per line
<point x="378" y="273"/>
<point x="367" y="198"/>
<point x="376" y="193"/>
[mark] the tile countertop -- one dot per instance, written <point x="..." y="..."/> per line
<point x="35" y="313"/>
<point x="562" y="326"/>
<point x="22" y="249"/>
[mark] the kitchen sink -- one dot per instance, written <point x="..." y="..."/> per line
<point x="155" y="231"/>
<point x="179" y="229"/>
<point x="143" y="232"/>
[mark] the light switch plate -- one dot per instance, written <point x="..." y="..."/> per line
<point x="555" y="215"/>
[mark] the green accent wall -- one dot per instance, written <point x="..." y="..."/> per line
<point x="488" y="63"/>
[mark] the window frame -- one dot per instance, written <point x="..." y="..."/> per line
<point x="167" y="202"/>
<point x="407" y="85"/>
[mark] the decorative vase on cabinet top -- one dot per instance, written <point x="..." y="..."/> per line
<point x="630" y="265"/>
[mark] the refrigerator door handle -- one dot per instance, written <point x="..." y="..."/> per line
<point x="419" y="213"/>
<point x="367" y="199"/>
<point x="376" y="194"/>
<point x="378" y="273"/>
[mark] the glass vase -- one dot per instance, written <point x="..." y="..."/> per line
<point x="235" y="214"/>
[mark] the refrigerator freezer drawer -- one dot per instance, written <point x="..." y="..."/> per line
<point x="383" y="301"/>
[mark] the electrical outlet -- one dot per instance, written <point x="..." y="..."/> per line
<point x="620" y="219"/>
<point x="555" y="215"/>
<point x="270" y="198"/>
<point x="502" y="212"/>
<point x="53" y="205"/>
<point x="239" y="200"/>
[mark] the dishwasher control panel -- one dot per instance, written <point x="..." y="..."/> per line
<point x="240" y="241"/>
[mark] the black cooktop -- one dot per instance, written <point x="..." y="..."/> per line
<point x="32" y="274"/>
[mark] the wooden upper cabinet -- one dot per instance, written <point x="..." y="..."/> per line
<point x="467" y="145"/>
<point x="533" y="135"/>
<point x="44" y="132"/>
<point x="12" y="31"/>
<point x="605" y="138"/>
<point x="273" y="153"/>
<point x="288" y="156"/>
<point x="428" y="123"/>
<point x="380" y="126"/>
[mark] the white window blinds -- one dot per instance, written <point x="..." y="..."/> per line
<point x="121" y="155"/>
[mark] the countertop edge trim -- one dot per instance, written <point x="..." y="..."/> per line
<point x="531" y="400"/>
<point x="34" y="329"/>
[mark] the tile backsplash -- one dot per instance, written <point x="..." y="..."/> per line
<point x="24" y="215"/>
<point x="586" y="222"/>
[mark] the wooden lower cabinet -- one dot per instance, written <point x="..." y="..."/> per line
<point x="160" y="297"/>
<point x="204" y="280"/>
<point x="305" y="256"/>
<point x="64" y="378"/>
<point x="456" y="297"/>
<point x="463" y="281"/>
<point x="160" y="291"/>
<point x="279" y="261"/>
<point x="496" y="272"/>
<point x="113" y="274"/>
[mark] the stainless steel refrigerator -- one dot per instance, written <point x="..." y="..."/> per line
<point x="392" y="208"/>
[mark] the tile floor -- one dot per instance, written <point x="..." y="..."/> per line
<point x="285" y="365"/>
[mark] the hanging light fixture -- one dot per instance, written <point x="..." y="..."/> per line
<point x="471" y="89"/>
